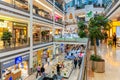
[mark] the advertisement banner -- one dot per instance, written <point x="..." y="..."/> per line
<point x="88" y="12"/>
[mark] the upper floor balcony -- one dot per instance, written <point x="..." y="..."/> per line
<point x="57" y="5"/>
<point x="71" y="40"/>
<point x="20" y="7"/>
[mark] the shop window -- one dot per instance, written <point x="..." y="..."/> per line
<point x="22" y="4"/>
<point x="8" y="1"/>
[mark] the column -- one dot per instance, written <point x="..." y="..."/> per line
<point x="31" y="35"/>
<point x="54" y="50"/>
<point x="0" y="71"/>
<point x="40" y="35"/>
<point x="63" y="25"/>
<point x="53" y="13"/>
<point x="63" y="20"/>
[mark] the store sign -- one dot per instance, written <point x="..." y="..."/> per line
<point x="10" y="78"/>
<point x="18" y="60"/>
<point x="89" y="12"/>
<point x="3" y="24"/>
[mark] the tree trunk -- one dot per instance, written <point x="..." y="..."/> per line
<point x="95" y="49"/>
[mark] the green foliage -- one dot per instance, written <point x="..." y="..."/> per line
<point x="110" y="42"/>
<point x="82" y="34"/>
<point x="95" y="58"/>
<point x="95" y="32"/>
<point x="6" y="35"/>
<point x="96" y="24"/>
<point x="81" y="25"/>
<point x="100" y="21"/>
<point x="44" y="33"/>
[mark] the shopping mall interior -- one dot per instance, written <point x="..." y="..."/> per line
<point x="59" y="39"/>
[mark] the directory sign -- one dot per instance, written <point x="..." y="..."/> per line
<point x="18" y="60"/>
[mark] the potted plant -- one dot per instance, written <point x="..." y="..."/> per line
<point x="98" y="64"/>
<point x="6" y="38"/>
<point x="44" y="33"/>
<point x="96" y="24"/>
<point x="110" y="42"/>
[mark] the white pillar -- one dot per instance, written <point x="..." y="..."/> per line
<point x="63" y="24"/>
<point x="53" y="13"/>
<point x="31" y="34"/>
<point x="54" y="49"/>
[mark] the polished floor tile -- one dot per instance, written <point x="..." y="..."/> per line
<point x="112" y="63"/>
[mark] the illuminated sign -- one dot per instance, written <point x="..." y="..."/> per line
<point x="18" y="60"/>
<point x="3" y="24"/>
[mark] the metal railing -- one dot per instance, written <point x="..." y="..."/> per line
<point x="27" y="11"/>
<point x="57" y="5"/>
<point x="81" y="40"/>
<point x="12" y="45"/>
<point x="83" y="70"/>
<point x="82" y="73"/>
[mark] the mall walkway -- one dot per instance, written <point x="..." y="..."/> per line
<point x="112" y="64"/>
<point x="73" y="75"/>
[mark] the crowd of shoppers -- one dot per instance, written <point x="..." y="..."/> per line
<point x="75" y="54"/>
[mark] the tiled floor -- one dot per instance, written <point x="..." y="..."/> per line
<point x="112" y="64"/>
<point x="73" y="75"/>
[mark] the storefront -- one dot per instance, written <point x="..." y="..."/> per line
<point x="46" y="34"/>
<point x="16" y="68"/>
<point x="37" y="33"/>
<point x="4" y="25"/>
<point x="18" y="31"/>
<point x="40" y="56"/>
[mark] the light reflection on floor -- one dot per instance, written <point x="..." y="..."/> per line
<point x="112" y="63"/>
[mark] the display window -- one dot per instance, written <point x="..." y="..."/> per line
<point x="4" y="25"/>
<point x="37" y="33"/>
<point x="20" y="32"/>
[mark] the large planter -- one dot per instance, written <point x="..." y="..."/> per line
<point x="99" y="66"/>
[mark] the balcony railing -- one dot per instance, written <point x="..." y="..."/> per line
<point x="56" y="4"/>
<point x="80" y="40"/>
<point x="13" y="45"/>
<point x="24" y="9"/>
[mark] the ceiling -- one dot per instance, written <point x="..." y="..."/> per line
<point x="66" y="1"/>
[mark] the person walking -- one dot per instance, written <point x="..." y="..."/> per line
<point x="38" y="71"/>
<point x="58" y="69"/>
<point x="75" y="62"/>
<point x="42" y="71"/>
<point x="48" y="60"/>
<point x="79" y="62"/>
<point x="114" y="39"/>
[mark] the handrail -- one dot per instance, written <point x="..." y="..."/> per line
<point x="83" y="73"/>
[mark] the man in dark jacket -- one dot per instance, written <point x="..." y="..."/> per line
<point x="42" y="70"/>
<point x="75" y="62"/>
<point x="58" y="69"/>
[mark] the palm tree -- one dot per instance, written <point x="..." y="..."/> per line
<point x="96" y="24"/>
